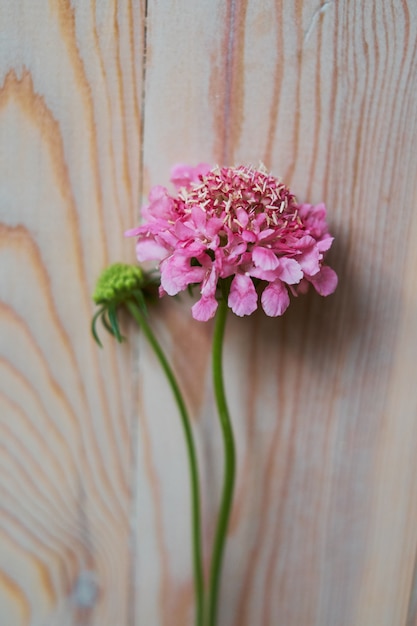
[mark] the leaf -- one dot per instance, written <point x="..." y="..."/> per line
<point x="106" y="324"/>
<point x="114" y="323"/>
<point x="93" y="326"/>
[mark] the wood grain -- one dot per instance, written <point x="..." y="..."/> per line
<point x="97" y="101"/>
<point x="70" y="135"/>
<point x="324" y="95"/>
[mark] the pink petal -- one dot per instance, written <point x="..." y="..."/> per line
<point x="325" y="243"/>
<point x="150" y="228"/>
<point x="243" y="299"/>
<point x="205" y="308"/>
<point x="214" y="243"/>
<point x="183" y="175"/>
<point x="325" y="282"/>
<point x="194" y="248"/>
<point x="183" y="231"/>
<point x="132" y="232"/>
<point x="149" y="250"/>
<point x="304" y="210"/>
<point x="214" y="224"/>
<point x="201" y="170"/>
<point x="199" y="218"/>
<point x="243" y="217"/>
<point x="165" y="236"/>
<point x="157" y="192"/>
<point x="305" y="243"/>
<point x="314" y="218"/>
<point x="264" y="258"/>
<point x="290" y="271"/>
<point x="236" y="250"/>
<point x="268" y="232"/>
<point x="310" y="260"/>
<point x="249" y="236"/>
<point x="210" y="283"/>
<point x="177" y="273"/>
<point x="161" y="204"/>
<point x="275" y="299"/>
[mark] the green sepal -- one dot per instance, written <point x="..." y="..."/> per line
<point x="106" y="323"/>
<point x="111" y="310"/>
<point x="93" y="326"/>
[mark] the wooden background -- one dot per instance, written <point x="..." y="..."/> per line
<point x="98" y="99"/>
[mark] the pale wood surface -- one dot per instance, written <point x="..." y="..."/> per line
<point x="94" y="109"/>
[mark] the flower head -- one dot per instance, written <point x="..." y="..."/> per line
<point x="237" y="227"/>
<point x="117" y="284"/>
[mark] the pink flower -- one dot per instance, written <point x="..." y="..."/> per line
<point x="238" y="227"/>
<point x="243" y="299"/>
<point x="183" y="175"/>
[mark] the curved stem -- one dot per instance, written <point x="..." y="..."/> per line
<point x="229" y="463"/>
<point x="192" y="458"/>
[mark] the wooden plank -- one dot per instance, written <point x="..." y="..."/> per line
<point x="70" y="137"/>
<point x="324" y="94"/>
<point x="323" y="527"/>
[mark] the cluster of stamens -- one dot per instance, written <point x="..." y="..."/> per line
<point x="225" y="192"/>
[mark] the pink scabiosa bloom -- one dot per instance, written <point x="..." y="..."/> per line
<point x="237" y="228"/>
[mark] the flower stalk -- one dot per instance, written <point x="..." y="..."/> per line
<point x="125" y="285"/>
<point x="229" y="463"/>
<point x="141" y="320"/>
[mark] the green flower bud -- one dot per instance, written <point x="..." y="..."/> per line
<point x="117" y="282"/>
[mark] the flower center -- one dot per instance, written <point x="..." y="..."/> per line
<point x="242" y="195"/>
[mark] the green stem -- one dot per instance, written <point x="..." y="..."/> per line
<point x="229" y="463"/>
<point x="192" y="458"/>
